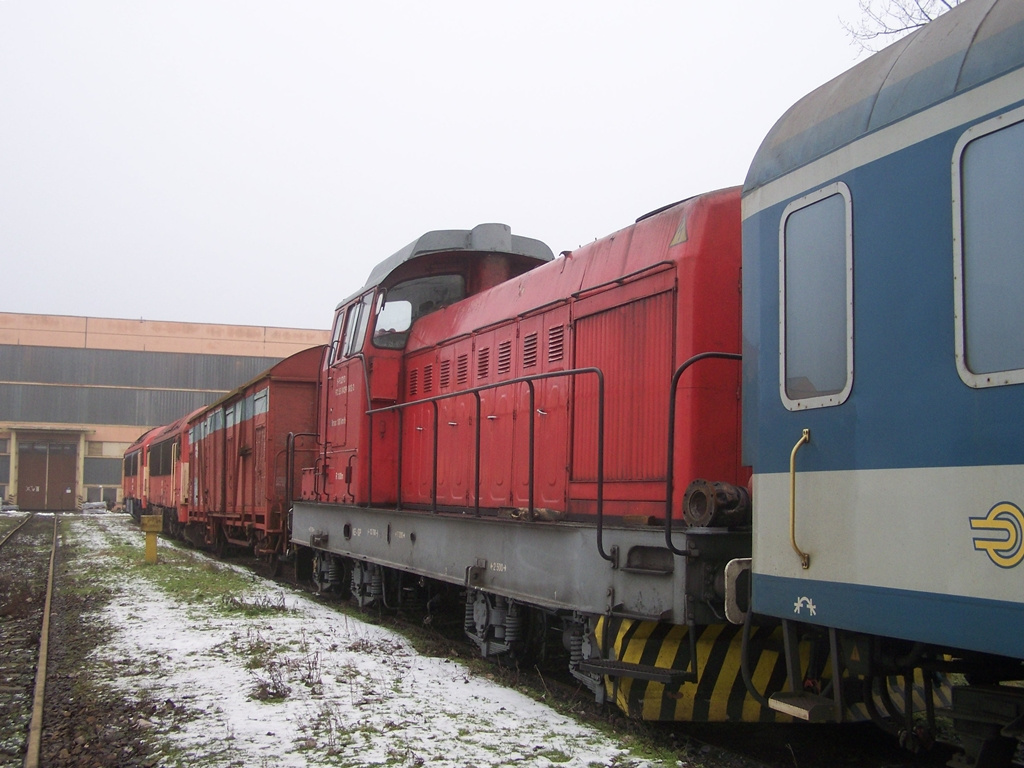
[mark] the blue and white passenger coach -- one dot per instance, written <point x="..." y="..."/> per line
<point x="883" y="289"/>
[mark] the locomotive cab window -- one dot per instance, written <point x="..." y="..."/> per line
<point x="988" y="215"/>
<point x="357" y="316"/>
<point x="816" y="299"/>
<point x="339" y="324"/>
<point x="403" y="304"/>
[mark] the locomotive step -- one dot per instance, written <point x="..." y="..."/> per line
<point x="804" y="706"/>
<point x="637" y="671"/>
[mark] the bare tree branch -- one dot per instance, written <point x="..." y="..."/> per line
<point x="884" y="21"/>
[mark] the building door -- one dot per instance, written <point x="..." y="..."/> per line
<point x="46" y="476"/>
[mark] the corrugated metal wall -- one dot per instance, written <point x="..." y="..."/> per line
<point x="107" y="367"/>
<point x="76" y="386"/>
<point x="97" y="405"/>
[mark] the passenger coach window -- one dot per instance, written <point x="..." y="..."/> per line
<point x="403" y="304"/>
<point x="989" y="269"/>
<point x="815" y="275"/>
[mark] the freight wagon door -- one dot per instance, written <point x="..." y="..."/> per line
<point x="632" y="344"/>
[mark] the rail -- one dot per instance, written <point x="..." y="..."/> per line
<point x="475" y="392"/>
<point x="33" y="739"/>
<point x="16" y="528"/>
<point x="669" y="489"/>
<point x="35" y="729"/>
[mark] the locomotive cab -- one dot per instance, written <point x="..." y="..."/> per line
<point x="363" y="366"/>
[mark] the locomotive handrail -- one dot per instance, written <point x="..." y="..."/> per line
<point x="289" y="485"/>
<point x="658" y="266"/>
<point x="475" y="392"/>
<point x="672" y="438"/>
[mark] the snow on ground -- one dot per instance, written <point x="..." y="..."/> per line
<point x="357" y="694"/>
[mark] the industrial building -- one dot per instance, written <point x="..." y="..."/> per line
<point x="75" y="392"/>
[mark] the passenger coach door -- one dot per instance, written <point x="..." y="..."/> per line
<point x="808" y="419"/>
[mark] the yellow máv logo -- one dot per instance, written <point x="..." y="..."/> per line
<point x="1006" y="519"/>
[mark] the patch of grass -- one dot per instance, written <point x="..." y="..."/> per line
<point x="554" y="755"/>
<point x="251" y="607"/>
<point x="270" y="684"/>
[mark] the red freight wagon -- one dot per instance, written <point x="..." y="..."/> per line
<point x="239" y="460"/>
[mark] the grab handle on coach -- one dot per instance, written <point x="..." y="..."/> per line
<point x="805" y="559"/>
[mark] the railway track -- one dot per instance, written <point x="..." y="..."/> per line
<point x="28" y="547"/>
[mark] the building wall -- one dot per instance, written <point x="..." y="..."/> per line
<point x="90" y="386"/>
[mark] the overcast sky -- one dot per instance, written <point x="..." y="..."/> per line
<point x="249" y="162"/>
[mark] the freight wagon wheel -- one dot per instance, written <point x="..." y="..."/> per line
<point x="220" y="546"/>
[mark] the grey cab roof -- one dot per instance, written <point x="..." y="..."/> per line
<point x="971" y="44"/>
<point x="483" y="238"/>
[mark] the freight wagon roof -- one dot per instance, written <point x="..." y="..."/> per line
<point x="160" y="434"/>
<point x="482" y="239"/>
<point x="973" y="43"/>
<point x="302" y="366"/>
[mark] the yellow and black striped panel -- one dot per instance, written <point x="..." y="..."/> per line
<point x="719" y="695"/>
<point x="942" y="695"/>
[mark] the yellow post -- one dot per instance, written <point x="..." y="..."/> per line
<point x="151" y="524"/>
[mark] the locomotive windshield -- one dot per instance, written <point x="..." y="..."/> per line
<point x="399" y="307"/>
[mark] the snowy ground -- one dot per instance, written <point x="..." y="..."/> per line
<point x="351" y="694"/>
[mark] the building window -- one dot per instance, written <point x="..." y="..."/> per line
<point x="988" y="215"/>
<point x="816" y="299"/>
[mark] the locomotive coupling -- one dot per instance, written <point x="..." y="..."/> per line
<point x="715" y="505"/>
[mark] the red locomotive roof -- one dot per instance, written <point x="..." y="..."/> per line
<point x="675" y="230"/>
<point x="482" y="240"/>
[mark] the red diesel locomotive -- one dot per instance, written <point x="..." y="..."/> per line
<point x="155" y="477"/>
<point x="540" y="433"/>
